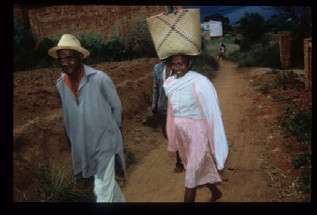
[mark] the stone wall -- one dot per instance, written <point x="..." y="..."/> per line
<point x="55" y="19"/>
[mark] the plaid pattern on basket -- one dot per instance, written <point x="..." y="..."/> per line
<point x="176" y="33"/>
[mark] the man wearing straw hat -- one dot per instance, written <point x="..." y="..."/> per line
<point x="194" y="125"/>
<point x="92" y="119"/>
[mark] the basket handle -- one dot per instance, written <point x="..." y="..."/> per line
<point x="170" y="9"/>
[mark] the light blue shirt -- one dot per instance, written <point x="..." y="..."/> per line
<point x="92" y="124"/>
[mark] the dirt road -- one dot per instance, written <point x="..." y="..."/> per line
<point x="244" y="177"/>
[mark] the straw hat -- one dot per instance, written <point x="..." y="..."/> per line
<point x="176" y="33"/>
<point x="68" y="41"/>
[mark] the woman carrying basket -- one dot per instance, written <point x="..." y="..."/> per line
<point x="194" y="124"/>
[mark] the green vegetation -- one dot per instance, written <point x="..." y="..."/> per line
<point x="134" y="39"/>
<point x="129" y="155"/>
<point x="205" y="64"/>
<point x="55" y="185"/>
<point x="23" y="46"/>
<point x="283" y="80"/>
<point x="253" y="29"/>
<point x="295" y="124"/>
<point x="213" y="45"/>
<point x="268" y="56"/>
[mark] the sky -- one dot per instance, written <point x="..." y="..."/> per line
<point x="234" y="13"/>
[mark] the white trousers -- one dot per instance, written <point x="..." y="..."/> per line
<point x="108" y="190"/>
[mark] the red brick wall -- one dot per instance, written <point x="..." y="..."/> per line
<point x="308" y="62"/>
<point x="285" y="50"/>
<point x="274" y="37"/>
<point x="54" y="20"/>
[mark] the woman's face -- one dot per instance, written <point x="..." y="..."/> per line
<point x="179" y="64"/>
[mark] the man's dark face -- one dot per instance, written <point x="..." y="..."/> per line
<point x="70" y="61"/>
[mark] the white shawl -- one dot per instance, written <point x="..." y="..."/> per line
<point x="208" y="99"/>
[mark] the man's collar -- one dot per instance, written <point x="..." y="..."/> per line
<point x="88" y="71"/>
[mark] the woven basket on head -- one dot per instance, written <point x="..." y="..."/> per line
<point x="176" y="33"/>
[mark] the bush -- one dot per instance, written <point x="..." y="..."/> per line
<point x="57" y="186"/>
<point x="23" y="47"/>
<point x="205" y="64"/>
<point x="299" y="125"/>
<point x="237" y="41"/>
<point x="94" y="44"/>
<point x="44" y="60"/>
<point x="245" y="45"/>
<point x="252" y="27"/>
<point x="143" y="45"/>
<point x="134" y="39"/>
<point x="268" y="56"/>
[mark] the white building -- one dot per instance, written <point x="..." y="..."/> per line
<point x="213" y="27"/>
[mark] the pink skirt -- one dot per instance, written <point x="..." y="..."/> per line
<point x="191" y="142"/>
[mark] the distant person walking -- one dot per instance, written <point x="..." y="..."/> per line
<point x="92" y="119"/>
<point x="222" y="50"/>
<point x="159" y="103"/>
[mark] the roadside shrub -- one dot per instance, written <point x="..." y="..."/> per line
<point x="268" y="56"/>
<point x="113" y="50"/>
<point x="134" y="39"/>
<point x="95" y="45"/>
<point x="252" y="27"/>
<point x="44" y="60"/>
<point x="245" y="45"/>
<point x="23" y="47"/>
<point x="303" y="160"/>
<point x="300" y="160"/>
<point x="143" y="45"/>
<point x="298" y="126"/>
<point x="237" y="41"/>
<point x="205" y="64"/>
<point x="129" y="156"/>
<point x="56" y="185"/>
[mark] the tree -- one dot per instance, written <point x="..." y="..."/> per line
<point x="253" y="29"/>
<point x="300" y="27"/>
<point x="278" y="23"/>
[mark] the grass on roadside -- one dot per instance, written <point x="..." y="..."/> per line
<point x="205" y="64"/>
<point x="267" y="56"/>
<point x="295" y="124"/>
<point x="58" y="185"/>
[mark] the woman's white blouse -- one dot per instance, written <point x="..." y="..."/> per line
<point x="184" y="104"/>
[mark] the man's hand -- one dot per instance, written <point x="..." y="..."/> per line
<point x="154" y="116"/>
